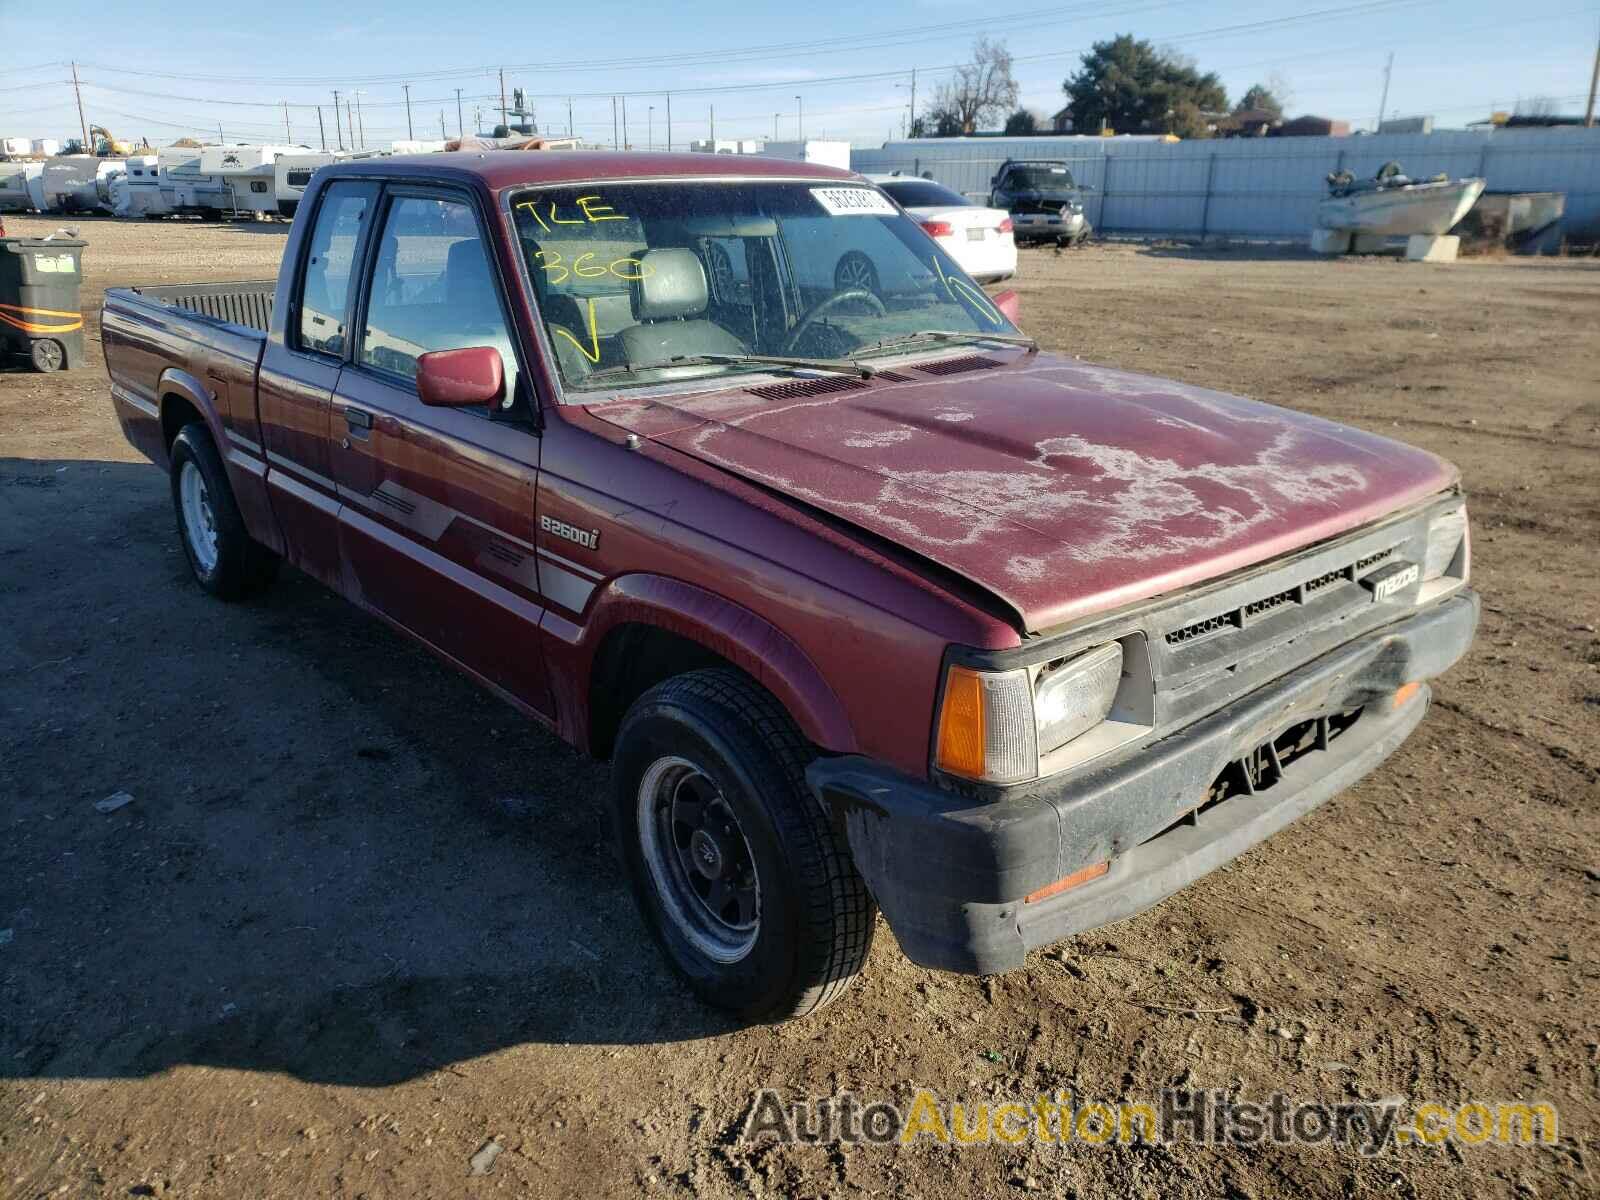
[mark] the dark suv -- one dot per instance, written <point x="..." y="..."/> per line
<point x="1045" y="202"/>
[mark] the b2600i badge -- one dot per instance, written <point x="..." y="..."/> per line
<point x="589" y="539"/>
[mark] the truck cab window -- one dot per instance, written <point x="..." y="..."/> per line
<point x="325" y="287"/>
<point x="432" y="289"/>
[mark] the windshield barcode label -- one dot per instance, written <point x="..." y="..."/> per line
<point x="854" y="202"/>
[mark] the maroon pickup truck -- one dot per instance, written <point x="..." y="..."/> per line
<point x="870" y="603"/>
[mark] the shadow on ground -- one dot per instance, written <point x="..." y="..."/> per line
<point x="342" y="861"/>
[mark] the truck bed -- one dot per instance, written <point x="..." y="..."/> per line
<point x="247" y="304"/>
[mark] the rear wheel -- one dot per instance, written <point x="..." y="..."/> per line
<point x="226" y="560"/>
<point x="739" y="874"/>
<point x="855" y="272"/>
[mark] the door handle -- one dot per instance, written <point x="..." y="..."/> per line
<point x="357" y="418"/>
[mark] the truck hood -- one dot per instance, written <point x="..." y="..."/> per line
<point x="1064" y="489"/>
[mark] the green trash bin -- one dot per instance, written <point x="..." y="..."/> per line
<point x="40" y="313"/>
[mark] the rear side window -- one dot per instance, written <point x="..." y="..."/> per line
<point x="325" y="288"/>
<point x="924" y="193"/>
<point x="432" y="289"/>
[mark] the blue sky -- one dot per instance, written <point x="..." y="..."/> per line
<point x="182" y="67"/>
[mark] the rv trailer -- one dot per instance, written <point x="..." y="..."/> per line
<point x="192" y="190"/>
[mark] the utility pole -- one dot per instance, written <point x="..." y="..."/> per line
<point x="774" y="126"/>
<point x="569" y="116"/>
<point x="84" y="125"/>
<point x="461" y="130"/>
<point x="322" y="130"/>
<point x="713" y="128"/>
<point x="350" y="117"/>
<point x="613" y="122"/>
<point x="220" y="138"/>
<point x="800" y="118"/>
<point x="406" y="87"/>
<point x="338" y="136"/>
<point x="504" y="119"/>
<point x="669" y="122"/>
<point x="650" y="128"/>
<point x="1594" y="81"/>
<point x="913" y="118"/>
<point x="1383" y="104"/>
<point x="287" y="136"/>
<point x="361" y="121"/>
<point x="624" y="122"/>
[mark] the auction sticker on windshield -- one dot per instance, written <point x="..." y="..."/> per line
<point x="854" y="202"/>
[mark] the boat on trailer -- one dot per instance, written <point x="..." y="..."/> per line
<point x="1391" y="204"/>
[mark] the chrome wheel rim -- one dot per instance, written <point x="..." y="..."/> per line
<point x="699" y="860"/>
<point x="854" y="273"/>
<point x="199" y="522"/>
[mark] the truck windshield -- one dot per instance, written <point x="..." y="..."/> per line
<point x="1040" y="178"/>
<point x="637" y="275"/>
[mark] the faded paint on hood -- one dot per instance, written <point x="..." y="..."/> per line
<point x="1064" y="489"/>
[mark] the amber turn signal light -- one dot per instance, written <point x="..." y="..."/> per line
<point x="961" y="724"/>
<point x="1405" y="693"/>
<point x="1076" y="879"/>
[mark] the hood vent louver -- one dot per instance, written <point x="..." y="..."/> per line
<point x="891" y="376"/>
<point x="956" y="366"/>
<point x="806" y="387"/>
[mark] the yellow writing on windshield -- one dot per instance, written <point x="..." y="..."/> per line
<point x="558" y="270"/>
<point x="960" y="287"/>
<point x="592" y="208"/>
<point x="592" y="350"/>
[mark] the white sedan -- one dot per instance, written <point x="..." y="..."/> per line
<point x="978" y="238"/>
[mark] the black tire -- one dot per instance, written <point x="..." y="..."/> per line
<point x="242" y="566"/>
<point x="855" y="271"/>
<point x="815" y="917"/>
<point x="47" y="355"/>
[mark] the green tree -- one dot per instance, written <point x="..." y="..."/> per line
<point x="1021" y="123"/>
<point x="1260" y="97"/>
<point x="1128" y="85"/>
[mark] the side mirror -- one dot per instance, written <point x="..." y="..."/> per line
<point x="1010" y="304"/>
<point x="460" y="378"/>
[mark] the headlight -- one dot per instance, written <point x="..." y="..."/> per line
<point x="1076" y="696"/>
<point x="1445" y="535"/>
<point x="995" y="725"/>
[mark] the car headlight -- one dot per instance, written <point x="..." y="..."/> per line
<point x="995" y="725"/>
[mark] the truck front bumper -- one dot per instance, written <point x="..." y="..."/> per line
<point x="952" y="874"/>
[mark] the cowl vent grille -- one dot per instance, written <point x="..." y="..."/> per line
<point x="957" y="366"/>
<point x="795" y="389"/>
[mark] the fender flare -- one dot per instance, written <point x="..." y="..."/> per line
<point x="745" y="638"/>
<point x="176" y="381"/>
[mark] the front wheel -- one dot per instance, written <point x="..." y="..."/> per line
<point x="740" y="876"/>
<point x="226" y="560"/>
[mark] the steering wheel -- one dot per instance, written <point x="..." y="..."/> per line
<point x="827" y="305"/>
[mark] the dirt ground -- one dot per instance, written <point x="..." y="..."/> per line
<point x="359" y="919"/>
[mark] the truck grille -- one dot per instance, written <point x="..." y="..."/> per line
<point x="1241" y="616"/>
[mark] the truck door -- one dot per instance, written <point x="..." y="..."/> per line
<point x="299" y="368"/>
<point x="437" y="504"/>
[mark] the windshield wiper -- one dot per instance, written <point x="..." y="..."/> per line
<point x="840" y="366"/>
<point x="951" y="335"/>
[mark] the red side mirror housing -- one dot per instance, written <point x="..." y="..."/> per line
<point x="461" y="378"/>
<point x="1011" y="304"/>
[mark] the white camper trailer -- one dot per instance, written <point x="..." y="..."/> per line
<point x="108" y="171"/>
<point x="14" y="187"/>
<point x="246" y="172"/>
<point x="45" y="148"/>
<point x="139" y="193"/>
<point x="69" y="184"/>
<point x="291" y="173"/>
<point x="16" y="147"/>
<point x="179" y="173"/>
